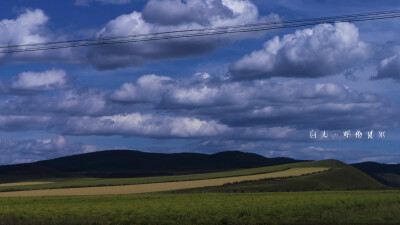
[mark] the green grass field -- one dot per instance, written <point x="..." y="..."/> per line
<point x="249" y="202"/>
<point x="327" y="207"/>
<point x="343" y="177"/>
<point x="96" y="182"/>
<point x="164" y="186"/>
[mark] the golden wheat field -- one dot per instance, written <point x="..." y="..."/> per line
<point x="22" y="184"/>
<point x="166" y="186"/>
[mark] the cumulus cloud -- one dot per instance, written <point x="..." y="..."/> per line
<point x="77" y="102"/>
<point x="389" y="67"/>
<point x="316" y="52"/>
<point x="103" y="2"/>
<point x="147" y="88"/>
<point x="24" y="122"/>
<point x="144" y="125"/>
<point x="259" y="109"/>
<point x="24" y="151"/>
<point x="267" y="103"/>
<point x="263" y="103"/>
<point x="28" y="28"/>
<point x="31" y="27"/>
<point x="41" y="81"/>
<point x="174" y="12"/>
<point x="210" y="113"/>
<point x="70" y="102"/>
<point x="219" y="13"/>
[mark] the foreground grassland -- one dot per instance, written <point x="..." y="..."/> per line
<point x="96" y="182"/>
<point x="165" y="186"/>
<point x="328" y="207"/>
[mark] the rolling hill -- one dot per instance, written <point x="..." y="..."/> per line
<point x="129" y="163"/>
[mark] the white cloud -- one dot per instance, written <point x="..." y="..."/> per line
<point x="147" y="88"/>
<point x="24" y="151"/>
<point x="203" y="99"/>
<point x="316" y="52"/>
<point x="389" y="67"/>
<point x="235" y="12"/>
<point x="104" y="2"/>
<point x="27" y="28"/>
<point x="145" y="125"/>
<point x="30" y="27"/>
<point x="73" y="102"/>
<point x="214" y="12"/>
<point x="41" y="81"/>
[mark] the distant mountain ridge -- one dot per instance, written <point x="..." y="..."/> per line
<point x="131" y="163"/>
<point x="374" y="167"/>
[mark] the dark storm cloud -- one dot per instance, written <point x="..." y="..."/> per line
<point x="314" y="52"/>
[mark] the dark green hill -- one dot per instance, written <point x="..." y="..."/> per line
<point x="340" y="177"/>
<point x="127" y="163"/>
<point x="374" y="167"/>
<point x="33" y="172"/>
<point x="388" y="174"/>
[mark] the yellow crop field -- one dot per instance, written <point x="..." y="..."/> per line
<point x="22" y="184"/>
<point x="166" y="186"/>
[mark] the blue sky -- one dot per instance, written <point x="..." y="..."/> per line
<point x="257" y="92"/>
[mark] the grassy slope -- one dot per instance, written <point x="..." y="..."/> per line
<point x="94" y="182"/>
<point x="340" y="177"/>
<point x="327" y="207"/>
<point x="161" y="187"/>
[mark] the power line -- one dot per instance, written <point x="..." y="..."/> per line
<point x="209" y="31"/>
<point x="212" y="28"/>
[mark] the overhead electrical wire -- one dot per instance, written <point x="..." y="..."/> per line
<point x="199" y="32"/>
<point x="214" y="28"/>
